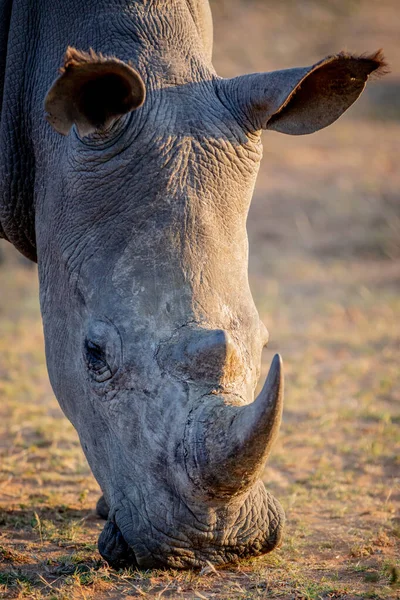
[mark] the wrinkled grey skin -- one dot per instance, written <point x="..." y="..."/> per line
<point x="153" y="341"/>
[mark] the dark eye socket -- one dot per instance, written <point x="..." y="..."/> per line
<point x="94" y="351"/>
<point x="102" y="353"/>
<point x="97" y="362"/>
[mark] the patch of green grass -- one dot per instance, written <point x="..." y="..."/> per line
<point x="14" y="578"/>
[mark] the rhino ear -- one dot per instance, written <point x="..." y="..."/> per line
<point x="92" y="92"/>
<point x="302" y="100"/>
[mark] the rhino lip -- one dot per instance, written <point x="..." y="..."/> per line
<point x="114" y="549"/>
<point x="255" y="526"/>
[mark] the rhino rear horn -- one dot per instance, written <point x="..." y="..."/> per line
<point x="233" y="443"/>
<point x="92" y="92"/>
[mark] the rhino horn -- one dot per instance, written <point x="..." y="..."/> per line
<point x="233" y="443"/>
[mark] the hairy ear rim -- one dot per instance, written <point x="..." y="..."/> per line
<point x="377" y="60"/>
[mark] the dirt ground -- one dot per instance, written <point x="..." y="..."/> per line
<point x="324" y="233"/>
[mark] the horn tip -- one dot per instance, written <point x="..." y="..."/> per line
<point x="277" y="362"/>
<point x="276" y="369"/>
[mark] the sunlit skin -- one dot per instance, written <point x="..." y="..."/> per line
<point x="142" y="179"/>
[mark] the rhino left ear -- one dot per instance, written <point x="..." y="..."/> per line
<point x="92" y="92"/>
<point x="302" y="100"/>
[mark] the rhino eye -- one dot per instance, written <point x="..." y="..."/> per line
<point x="96" y="362"/>
<point x="102" y="352"/>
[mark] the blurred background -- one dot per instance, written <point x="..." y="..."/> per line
<point x="324" y="231"/>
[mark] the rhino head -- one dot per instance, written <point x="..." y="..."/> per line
<point x="153" y="341"/>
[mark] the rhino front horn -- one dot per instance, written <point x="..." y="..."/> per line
<point x="232" y="443"/>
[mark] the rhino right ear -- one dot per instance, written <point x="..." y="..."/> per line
<point x="92" y="92"/>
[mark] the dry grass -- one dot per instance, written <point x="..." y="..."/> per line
<point x="325" y="270"/>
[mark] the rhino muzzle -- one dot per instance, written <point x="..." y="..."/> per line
<point x="249" y="526"/>
<point x="222" y="511"/>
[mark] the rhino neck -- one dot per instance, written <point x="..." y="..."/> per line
<point x="201" y="13"/>
<point x="169" y="42"/>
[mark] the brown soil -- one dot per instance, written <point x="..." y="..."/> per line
<point x="324" y="234"/>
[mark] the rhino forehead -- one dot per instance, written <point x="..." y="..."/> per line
<point x="171" y="218"/>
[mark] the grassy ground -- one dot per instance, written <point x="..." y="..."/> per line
<point x="325" y="271"/>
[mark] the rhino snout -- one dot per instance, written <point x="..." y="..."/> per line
<point x="183" y="535"/>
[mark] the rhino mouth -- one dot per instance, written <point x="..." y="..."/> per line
<point x="114" y="549"/>
<point x="248" y="527"/>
